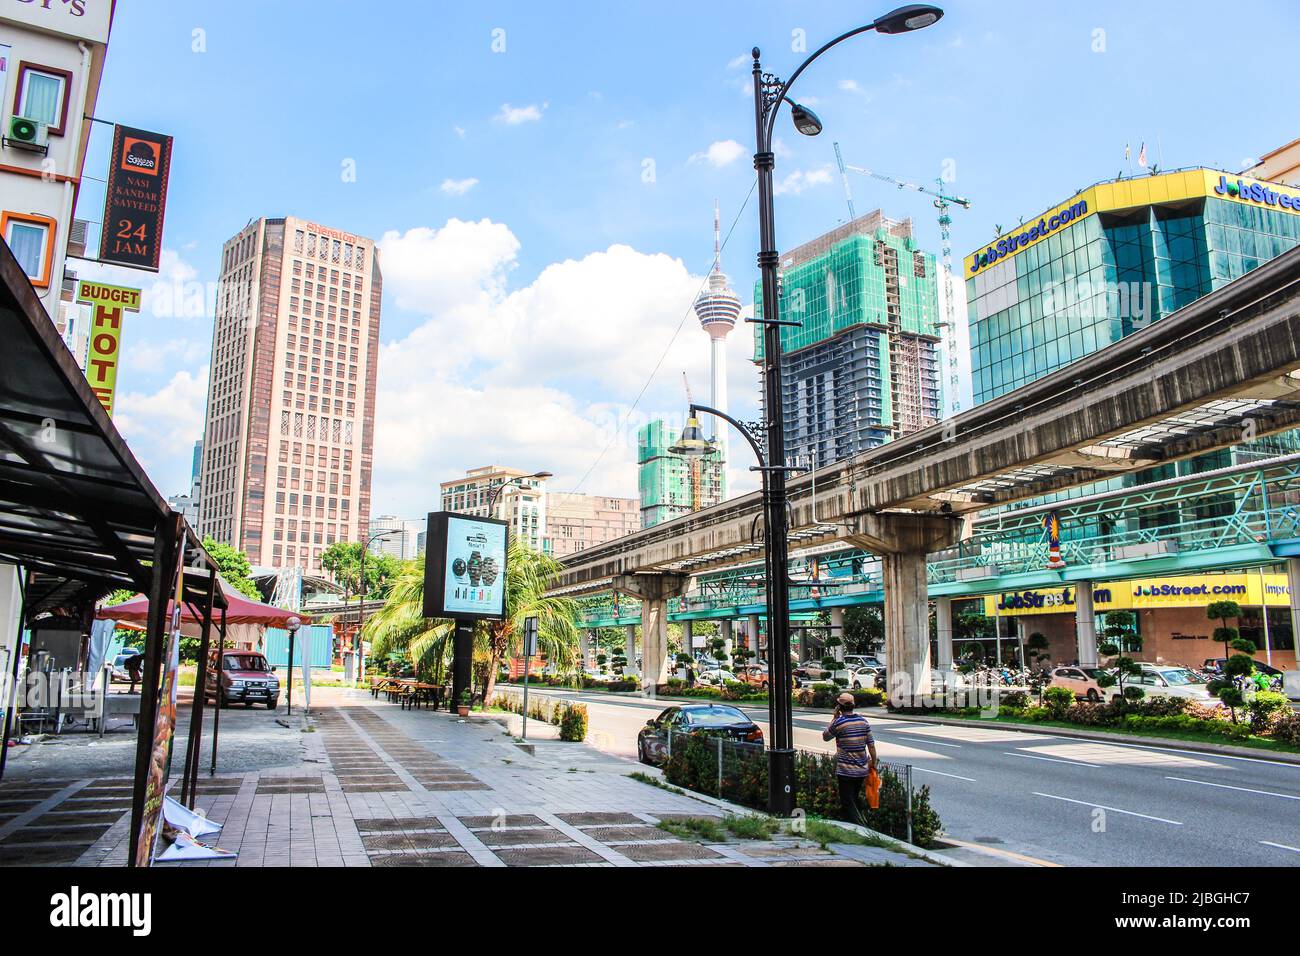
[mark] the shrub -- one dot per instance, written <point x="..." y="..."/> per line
<point x="1058" y="701"/>
<point x="1264" y="707"/>
<point x="573" y="722"/>
<point x="1015" y="700"/>
<point x="1286" y="729"/>
<point x="871" y="697"/>
<point x="1134" y="693"/>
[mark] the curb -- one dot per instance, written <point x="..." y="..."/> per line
<point x="1196" y="746"/>
<point x="901" y="845"/>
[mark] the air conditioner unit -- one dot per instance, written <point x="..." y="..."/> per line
<point x="27" y="133"/>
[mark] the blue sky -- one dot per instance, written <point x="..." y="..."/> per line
<point x="545" y="211"/>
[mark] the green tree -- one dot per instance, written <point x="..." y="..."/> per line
<point x="234" y="567"/>
<point x="342" y="561"/>
<point x="1221" y="611"/>
<point x="1118" y="636"/>
<point x="864" y="629"/>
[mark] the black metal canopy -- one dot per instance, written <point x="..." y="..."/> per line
<point x="76" y="508"/>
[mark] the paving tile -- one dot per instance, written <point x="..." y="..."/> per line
<point x="599" y="817"/>
<point x="654" y="852"/>
<point x="548" y="856"/>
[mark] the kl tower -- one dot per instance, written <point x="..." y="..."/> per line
<point x="717" y="308"/>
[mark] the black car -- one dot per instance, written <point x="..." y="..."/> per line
<point x="721" y="720"/>
<point x="1215" y="664"/>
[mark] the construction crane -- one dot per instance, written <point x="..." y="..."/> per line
<point x="696" y="465"/>
<point x="941" y="202"/>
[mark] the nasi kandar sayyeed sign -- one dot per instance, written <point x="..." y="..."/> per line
<point x="465" y="566"/>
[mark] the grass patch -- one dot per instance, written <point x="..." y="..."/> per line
<point x="752" y="827"/>
<point x="823" y="833"/>
<point x="1253" y="741"/>
<point x="656" y="782"/>
<point x="695" y="828"/>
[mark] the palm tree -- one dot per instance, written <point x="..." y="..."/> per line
<point x="401" y="627"/>
<point x="529" y="575"/>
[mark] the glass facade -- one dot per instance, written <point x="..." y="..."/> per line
<point x="1106" y="275"/>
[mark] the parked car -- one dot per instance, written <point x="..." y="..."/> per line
<point x="245" y="677"/>
<point x="1215" y="664"/>
<point x="715" y="676"/>
<point x="864" y="660"/>
<point x="756" y="675"/>
<point x="1159" y="680"/>
<point x="721" y="720"/>
<point x="863" y="677"/>
<point x="812" y="670"/>
<point x="1081" y="680"/>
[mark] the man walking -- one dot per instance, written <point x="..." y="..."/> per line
<point x="853" y="742"/>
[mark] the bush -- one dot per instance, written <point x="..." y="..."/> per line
<point x="1264" y="707"/>
<point x="1058" y="701"/>
<point x="1286" y="729"/>
<point x="1015" y="700"/>
<point x="871" y="697"/>
<point x="573" y="722"/>
<point x="1134" y="693"/>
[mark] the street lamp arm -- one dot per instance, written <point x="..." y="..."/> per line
<point x="740" y="427"/>
<point x="775" y="105"/>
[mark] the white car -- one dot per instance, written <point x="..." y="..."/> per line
<point x="716" y="677"/>
<point x="861" y="678"/>
<point x="1159" y="680"/>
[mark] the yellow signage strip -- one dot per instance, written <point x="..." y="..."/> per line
<point x="1131" y="194"/>
<point x="1146" y="593"/>
<point x="108" y="304"/>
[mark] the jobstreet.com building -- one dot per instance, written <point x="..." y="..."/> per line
<point x="1111" y="260"/>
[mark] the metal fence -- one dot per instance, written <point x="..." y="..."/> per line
<point x="736" y="770"/>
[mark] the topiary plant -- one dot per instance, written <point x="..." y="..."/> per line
<point x="1221" y="611"/>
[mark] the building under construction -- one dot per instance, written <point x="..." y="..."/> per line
<point x="863" y="366"/>
<point x="671" y="485"/>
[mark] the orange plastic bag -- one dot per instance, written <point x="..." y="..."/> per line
<point x="873" y="789"/>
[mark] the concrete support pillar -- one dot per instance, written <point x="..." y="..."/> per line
<point x="726" y="632"/>
<point x="654" y="644"/>
<point x="907" y="627"/>
<point x="654" y="590"/>
<point x="752" y="636"/>
<point x="943" y="622"/>
<point x="1020" y="641"/>
<point x="837" y="630"/>
<point x="688" y="637"/>
<point x="585" y="641"/>
<point x="1085" y="625"/>
<point x="630" y="650"/>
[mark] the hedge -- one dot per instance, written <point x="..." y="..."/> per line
<point x="693" y="765"/>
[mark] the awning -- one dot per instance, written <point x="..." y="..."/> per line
<point x="239" y="610"/>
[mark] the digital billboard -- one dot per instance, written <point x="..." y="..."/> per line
<point x="465" y="566"/>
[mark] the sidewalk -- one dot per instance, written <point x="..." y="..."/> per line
<point x="380" y="786"/>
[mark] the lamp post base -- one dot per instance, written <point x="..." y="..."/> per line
<point x="780" y="779"/>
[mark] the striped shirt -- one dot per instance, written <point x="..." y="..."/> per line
<point x="852" y="735"/>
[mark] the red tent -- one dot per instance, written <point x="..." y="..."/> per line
<point x="242" y="610"/>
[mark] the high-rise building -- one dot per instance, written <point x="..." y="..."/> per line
<point x="402" y="540"/>
<point x="863" y="367"/>
<point x="1109" y="261"/>
<point x="521" y="502"/>
<point x="54" y="53"/>
<point x="575" y="522"/>
<point x="189" y="504"/>
<point x="289" y="431"/>
<point x="670" y="485"/>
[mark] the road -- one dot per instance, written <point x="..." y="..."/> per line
<point x="1055" y="799"/>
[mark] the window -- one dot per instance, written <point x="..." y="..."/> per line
<point x="41" y="94"/>
<point x="31" y="239"/>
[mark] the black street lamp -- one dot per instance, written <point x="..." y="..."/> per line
<point x="769" y="93"/>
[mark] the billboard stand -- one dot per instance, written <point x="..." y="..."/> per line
<point x="464" y="581"/>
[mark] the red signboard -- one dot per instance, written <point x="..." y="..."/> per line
<point x="136" y="198"/>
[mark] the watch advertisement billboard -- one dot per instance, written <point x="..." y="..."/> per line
<point x="465" y="566"/>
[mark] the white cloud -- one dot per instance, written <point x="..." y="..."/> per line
<point x="162" y="426"/>
<point x="799" y="180"/>
<point x="721" y="153"/>
<point x="736" y="62"/>
<point x="851" y="86"/>
<point x="540" y="376"/>
<point x="459" y="131"/>
<point x="458" y="187"/>
<point x="514" y="115"/>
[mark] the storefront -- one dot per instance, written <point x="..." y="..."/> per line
<point x="1170" y="614"/>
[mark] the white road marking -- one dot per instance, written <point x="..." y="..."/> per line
<point x="1281" y="846"/>
<point x="1101" y="806"/>
<point x="1072" y="763"/>
<point x="1224" y="786"/>
<point x="955" y="776"/>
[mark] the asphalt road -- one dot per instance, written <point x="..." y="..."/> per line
<point x="1055" y="799"/>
